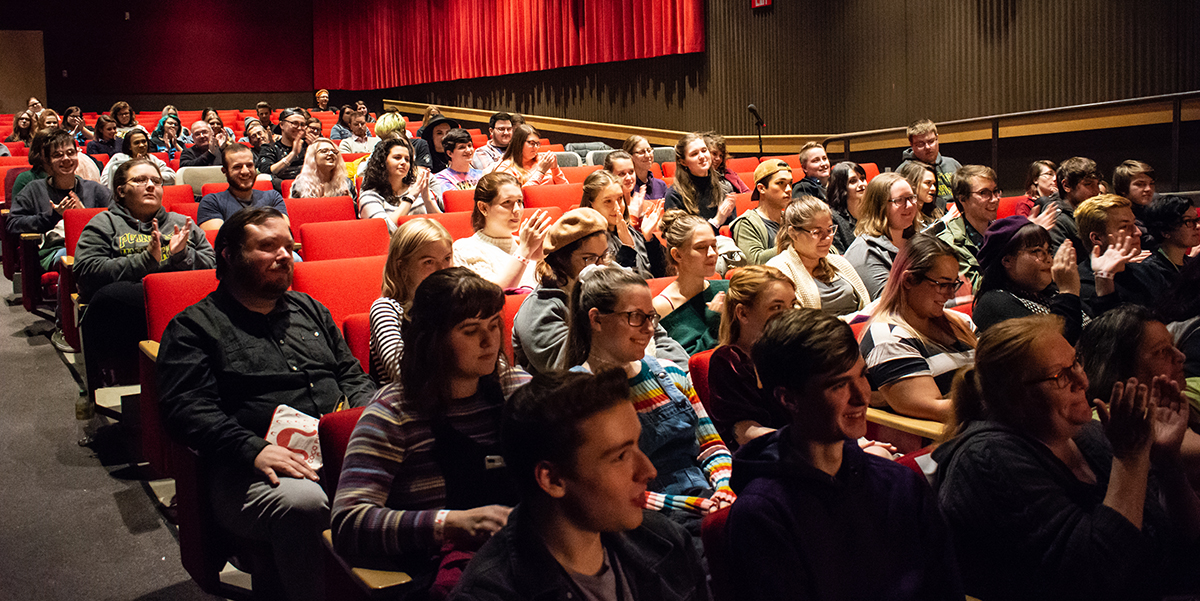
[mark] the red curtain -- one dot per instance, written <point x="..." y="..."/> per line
<point x="373" y="44"/>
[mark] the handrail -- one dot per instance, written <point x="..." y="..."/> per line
<point x="962" y="126"/>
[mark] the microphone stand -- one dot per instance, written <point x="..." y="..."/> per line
<point x="759" y="125"/>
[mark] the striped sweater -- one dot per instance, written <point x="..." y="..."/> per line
<point x="387" y="344"/>
<point x="391" y="488"/>
<point x="714" y="457"/>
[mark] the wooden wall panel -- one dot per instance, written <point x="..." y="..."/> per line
<point x="829" y="67"/>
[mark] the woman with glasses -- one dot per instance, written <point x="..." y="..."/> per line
<point x="135" y="237"/>
<point x="22" y="128"/>
<point x="324" y="173"/>
<point x="165" y="137"/>
<point x="1021" y="277"/>
<point x="889" y="208"/>
<point x="691" y="305"/>
<point x="579" y="238"/>
<point x="1173" y="224"/>
<point x="643" y="157"/>
<point x="504" y="250"/>
<point x="913" y="344"/>
<point x="611" y="324"/>
<point x="523" y="161"/>
<point x="1039" y="183"/>
<point x="122" y="113"/>
<point x="73" y="122"/>
<point x="603" y="192"/>
<point x="824" y="279"/>
<point x="135" y="145"/>
<point x="1045" y="502"/>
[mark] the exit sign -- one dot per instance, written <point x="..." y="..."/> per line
<point x="759" y="3"/>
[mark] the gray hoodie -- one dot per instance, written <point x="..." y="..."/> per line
<point x="113" y="247"/>
<point x="32" y="213"/>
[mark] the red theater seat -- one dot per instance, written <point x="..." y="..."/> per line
<point x="871" y="170"/>
<point x="173" y="195"/>
<point x="698" y="369"/>
<point x="458" y="224"/>
<point x="357" y="332"/>
<point x="169" y="293"/>
<point x="791" y="159"/>
<point x="187" y="209"/>
<point x="325" y="240"/>
<point x="563" y="196"/>
<point x="344" y="286"/>
<point x="1008" y="206"/>
<point x="668" y="169"/>
<point x="456" y="201"/>
<point x="576" y="175"/>
<point x="741" y="164"/>
<point x="512" y="304"/>
<point x="313" y="210"/>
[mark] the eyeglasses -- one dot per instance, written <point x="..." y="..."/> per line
<point x="1062" y="378"/>
<point x="295" y="123"/>
<point x="644" y="151"/>
<point x="1039" y="253"/>
<point x="988" y="194"/>
<point x="142" y="181"/>
<point x="906" y="200"/>
<point x="944" y="287"/>
<point x="821" y="233"/>
<point x="636" y="319"/>
<point x="327" y="151"/>
<point x="64" y="154"/>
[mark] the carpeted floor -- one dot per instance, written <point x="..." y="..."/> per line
<point x="76" y="522"/>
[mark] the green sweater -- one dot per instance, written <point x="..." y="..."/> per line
<point x="692" y="325"/>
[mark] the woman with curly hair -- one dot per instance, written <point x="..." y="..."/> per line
<point x="392" y="187"/>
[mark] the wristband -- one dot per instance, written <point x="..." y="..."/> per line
<point x="1104" y="275"/>
<point x="439" y="524"/>
<point x="523" y="260"/>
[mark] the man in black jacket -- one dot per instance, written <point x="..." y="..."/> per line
<point x="228" y="362"/>
<point x="815" y="164"/>
<point x="580" y="531"/>
<point x="205" y="150"/>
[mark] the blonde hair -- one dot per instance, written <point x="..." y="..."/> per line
<point x="873" y="220"/>
<point x="1091" y="216"/>
<point x="799" y="214"/>
<point x="405" y="241"/>
<point x="308" y="183"/>
<point x="912" y="264"/>
<point x="744" y="287"/>
<point x="389" y="123"/>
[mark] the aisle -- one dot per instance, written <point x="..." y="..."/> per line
<point x="76" y="522"/>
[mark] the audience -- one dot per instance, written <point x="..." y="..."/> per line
<point x="113" y="255"/>
<point x="627" y="247"/>
<point x="284" y="158"/>
<point x="580" y="530"/>
<point x="912" y="344"/>
<point x="205" y="150"/>
<point x="424" y="481"/>
<point x="418" y="248"/>
<point x="22" y="128"/>
<point x="392" y="187"/>
<point x="611" y="323"/>
<point x="222" y="374"/>
<point x="165" y="137"/>
<point x="923" y="180"/>
<point x="210" y="116"/>
<point x="755" y="231"/>
<point x="1135" y="181"/>
<point x="432" y="133"/>
<point x="458" y="174"/>
<point x="322" y="97"/>
<point x="135" y="145"/>
<point x="105" y="140"/>
<point x="263" y="111"/>
<point x="1043" y="501"/>
<point x="741" y="411"/>
<point x="923" y="146"/>
<point x="716" y="147"/>
<point x="37" y="166"/>
<point x="361" y="107"/>
<point x="1172" y="224"/>
<point x="523" y="161"/>
<point x="256" y="136"/>
<point x="39" y="206"/>
<point x="495" y="252"/>
<point x="237" y="163"/>
<point x="73" y="122"/>
<point x="885" y="223"/>
<point x="360" y="138"/>
<point x="500" y="133"/>
<point x="643" y="157"/>
<point x="977" y="196"/>
<point x="1076" y="180"/>
<point x="844" y="195"/>
<point x="579" y="238"/>
<point x="817" y="517"/>
<point x="430" y="113"/>
<point x="815" y="165"/>
<point x="341" y="130"/>
<point x="1020" y="277"/>
<point x="324" y="173"/>
<point x="697" y="188"/>
<point x="48" y="119"/>
<point x="1039" y="182"/>
<point x="1108" y="230"/>
<point x="313" y="128"/>
<point x="690" y="306"/>
<point x="1179" y="308"/>
<point x="823" y="279"/>
<point x="35" y="106"/>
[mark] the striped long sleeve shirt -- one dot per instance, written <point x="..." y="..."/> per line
<point x="391" y="488"/>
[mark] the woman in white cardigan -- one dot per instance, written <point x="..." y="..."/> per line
<point x="823" y="280"/>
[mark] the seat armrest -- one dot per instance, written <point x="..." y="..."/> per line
<point x="149" y="348"/>
<point x="921" y="427"/>
<point x="371" y="580"/>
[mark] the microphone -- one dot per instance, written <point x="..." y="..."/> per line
<point x="757" y="117"/>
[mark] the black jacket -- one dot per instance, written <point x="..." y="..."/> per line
<point x="657" y="558"/>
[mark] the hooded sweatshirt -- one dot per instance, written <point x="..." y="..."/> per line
<point x="114" y="247"/>
<point x="944" y="167"/>
<point x="1026" y="528"/>
<point x="871" y="532"/>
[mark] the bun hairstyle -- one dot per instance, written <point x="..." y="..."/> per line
<point x="677" y="227"/>
<point x="598" y="287"/>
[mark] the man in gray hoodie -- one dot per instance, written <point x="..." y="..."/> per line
<point x="923" y="141"/>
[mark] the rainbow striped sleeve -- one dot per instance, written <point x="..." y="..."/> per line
<point x="715" y="458"/>
<point x="657" y="501"/>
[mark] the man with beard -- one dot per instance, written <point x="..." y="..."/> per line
<point x="237" y="163"/>
<point x="500" y="130"/>
<point x="227" y="363"/>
